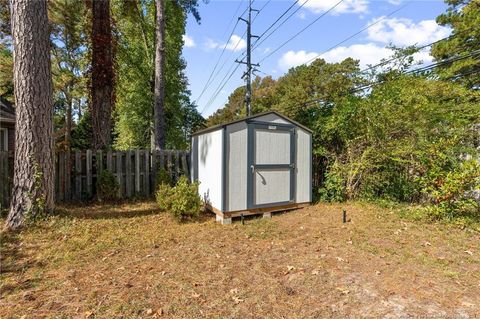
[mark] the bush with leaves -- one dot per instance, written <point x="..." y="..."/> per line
<point x="333" y="189"/>
<point x="164" y="178"/>
<point x="181" y="201"/>
<point x="451" y="193"/>
<point x="107" y="186"/>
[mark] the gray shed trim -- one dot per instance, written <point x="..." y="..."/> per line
<point x="219" y="126"/>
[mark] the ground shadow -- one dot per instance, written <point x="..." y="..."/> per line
<point x="14" y="261"/>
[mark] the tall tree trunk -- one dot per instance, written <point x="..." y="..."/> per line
<point x="102" y="74"/>
<point x="68" y="121"/>
<point x="159" y="92"/>
<point x="33" y="181"/>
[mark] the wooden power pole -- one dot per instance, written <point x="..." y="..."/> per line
<point x="248" y="73"/>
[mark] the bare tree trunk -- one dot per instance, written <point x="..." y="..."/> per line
<point x="159" y="91"/>
<point x="102" y="74"/>
<point x="68" y="121"/>
<point x="33" y="181"/>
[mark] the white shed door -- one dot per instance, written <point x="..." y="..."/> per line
<point x="272" y="164"/>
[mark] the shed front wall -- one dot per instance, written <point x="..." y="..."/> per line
<point x="237" y="170"/>
<point x="236" y="136"/>
<point x="208" y="156"/>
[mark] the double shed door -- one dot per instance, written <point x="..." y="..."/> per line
<point x="271" y="163"/>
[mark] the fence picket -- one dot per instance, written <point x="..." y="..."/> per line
<point x="61" y="176"/>
<point x="169" y="163"/>
<point x="128" y="173"/>
<point x="185" y="165"/>
<point x="137" y="171"/>
<point x="99" y="163"/>
<point x="146" y="174"/>
<point x="88" y="159"/>
<point x="68" y="175"/>
<point x="109" y="162"/>
<point x="119" y="173"/>
<point x="78" y="175"/>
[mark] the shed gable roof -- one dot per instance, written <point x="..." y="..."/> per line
<point x="216" y="127"/>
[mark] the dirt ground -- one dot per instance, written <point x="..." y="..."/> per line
<point x="132" y="261"/>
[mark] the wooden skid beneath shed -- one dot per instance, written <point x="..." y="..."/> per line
<point x="257" y="211"/>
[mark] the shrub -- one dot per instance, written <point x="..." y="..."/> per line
<point x="333" y="189"/>
<point x="164" y="177"/>
<point x="107" y="186"/>
<point x="181" y="201"/>
<point x="163" y="194"/>
<point x="452" y="193"/>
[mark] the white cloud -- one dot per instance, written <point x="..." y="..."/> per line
<point x="403" y="32"/>
<point x="188" y="40"/>
<point x="211" y="44"/>
<point x="236" y="43"/>
<point x="292" y="58"/>
<point x="368" y="54"/>
<point x="395" y="2"/>
<point x="302" y="15"/>
<point x="347" y="6"/>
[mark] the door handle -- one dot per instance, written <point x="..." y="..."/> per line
<point x="252" y="168"/>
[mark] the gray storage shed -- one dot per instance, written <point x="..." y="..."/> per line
<point x="259" y="164"/>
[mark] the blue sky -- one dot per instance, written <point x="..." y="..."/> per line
<point x="414" y="23"/>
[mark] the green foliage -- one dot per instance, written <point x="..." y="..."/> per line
<point x="463" y="16"/>
<point x="6" y="73"/>
<point x="181" y="201"/>
<point x="107" y="186"/>
<point x="82" y="133"/>
<point x="134" y="88"/>
<point x="333" y="189"/>
<point x="451" y="192"/>
<point x="164" y="178"/>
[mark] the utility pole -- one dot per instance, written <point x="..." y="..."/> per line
<point x="248" y="74"/>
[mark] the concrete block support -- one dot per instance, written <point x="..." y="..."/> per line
<point x="267" y="215"/>
<point x="223" y="221"/>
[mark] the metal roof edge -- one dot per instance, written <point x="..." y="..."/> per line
<point x="220" y="126"/>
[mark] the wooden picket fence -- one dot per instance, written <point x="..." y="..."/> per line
<point x="6" y="178"/>
<point x="76" y="172"/>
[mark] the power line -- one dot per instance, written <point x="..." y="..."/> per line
<point x="356" y="33"/>
<point x="280" y="17"/>
<point x="263" y="39"/>
<point x="299" y="32"/>
<point x="223" y="50"/>
<point x="417" y="50"/>
<point x="219" y="89"/>
<point x="240" y="57"/>
<point x="432" y="66"/>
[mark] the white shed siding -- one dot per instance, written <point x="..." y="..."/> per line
<point x="237" y="170"/>
<point x="304" y="167"/>
<point x="210" y="154"/>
